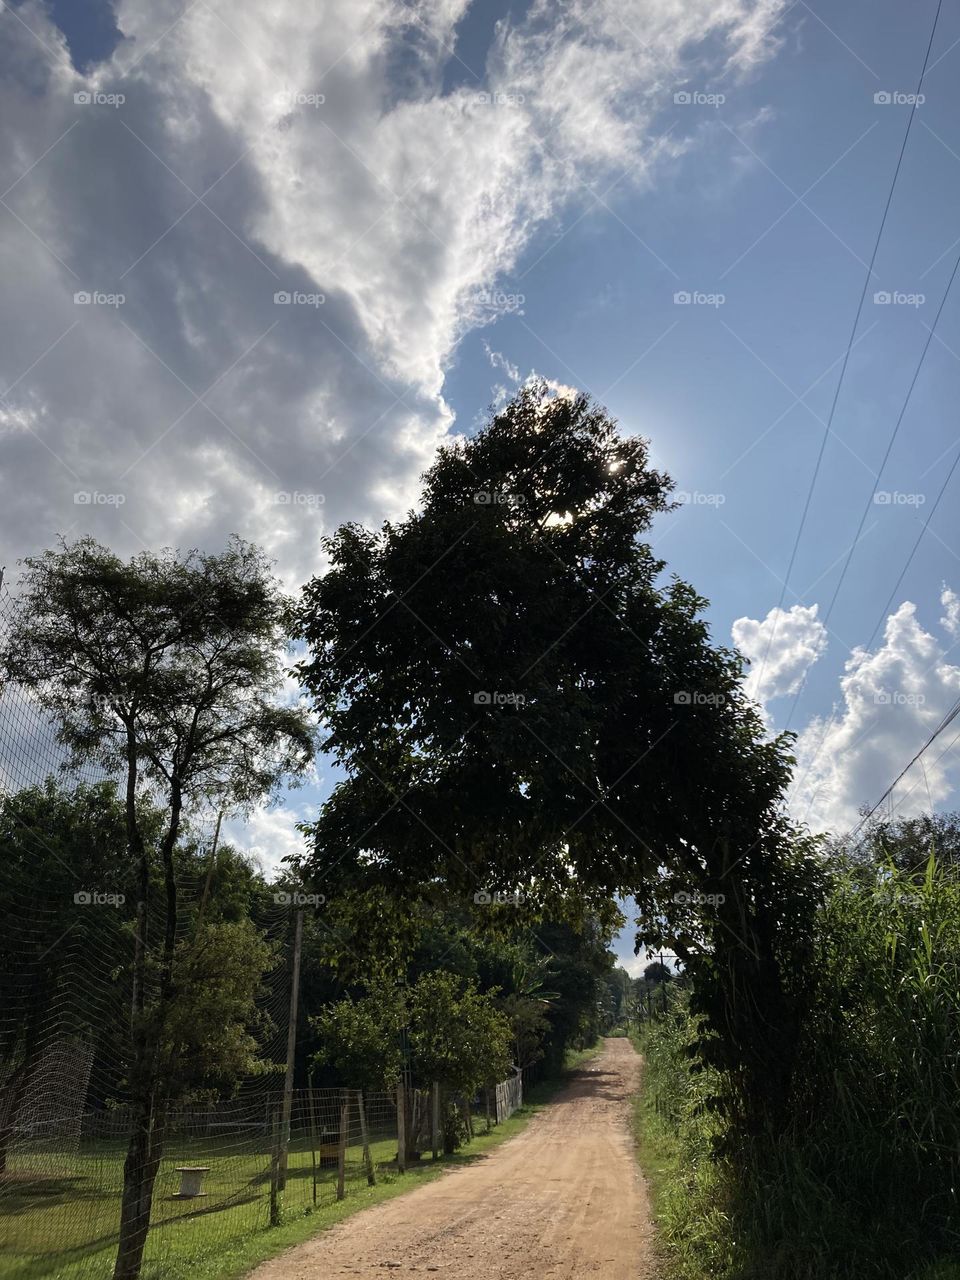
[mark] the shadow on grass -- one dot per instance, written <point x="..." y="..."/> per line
<point x="21" y="1194"/>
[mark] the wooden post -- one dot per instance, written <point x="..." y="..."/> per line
<point x="435" y="1120"/>
<point x="275" y="1171"/>
<point x="365" y="1139"/>
<point x="486" y="1106"/>
<point x="291" y="1050"/>
<point x="342" y="1145"/>
<point x="466" y="1118"/>
<point x="401" y="1129"/>
<point x="313" y="1134"/>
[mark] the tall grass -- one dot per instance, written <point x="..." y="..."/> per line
<point x="864" y="1180"/>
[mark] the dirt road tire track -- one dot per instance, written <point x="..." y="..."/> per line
<point x="563" y="1200"/>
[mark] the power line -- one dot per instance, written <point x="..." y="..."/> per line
<point x="944" y="723"/>
<point x="870" y="496"/>
<point x="849" y="348"/>
<point x="890" y="442"/>
<point x="913" y="551"/>
<point x="883" y="613"/>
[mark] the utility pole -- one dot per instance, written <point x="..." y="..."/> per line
<point x="291" y="1049"/>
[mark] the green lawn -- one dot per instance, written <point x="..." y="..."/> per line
<point x="59" y="1214"/>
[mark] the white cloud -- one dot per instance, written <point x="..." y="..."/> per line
<point x="951" y="611"/>
<point x="269" y="835"/>
<point x="781" y="649"/>
<point x="893" y="699"/>
<point x="222" y="179"/>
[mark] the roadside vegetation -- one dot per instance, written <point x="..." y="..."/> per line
<point x="862" y="1179"/>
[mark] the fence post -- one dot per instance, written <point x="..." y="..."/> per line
<point x="342" y="1145"/>
<point x="401" y="1129"/>
<point x="275" y="1170"/>
<point x="365" y="1139"/>
<point x="313" y="1133"/>
<point x="291" y="1048"/>
<point x="435" y="1120"/>
<point x="486" y="1106"/>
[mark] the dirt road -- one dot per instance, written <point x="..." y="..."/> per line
<point x="563" y="1200"/>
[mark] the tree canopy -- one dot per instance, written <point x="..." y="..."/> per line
<point x="522" y="703"/>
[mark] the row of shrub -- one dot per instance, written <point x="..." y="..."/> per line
<point x="863" y="1180"/>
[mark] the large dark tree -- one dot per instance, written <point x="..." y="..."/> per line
<point x="521" y="703"/>
<point x="167" y="669"/>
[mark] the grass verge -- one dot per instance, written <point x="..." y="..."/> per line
<point x="721" y="1223"/>
<point x="657" y="1149"/>
<point x="687" y="1194"/>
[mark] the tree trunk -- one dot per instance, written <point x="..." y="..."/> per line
<point x="146" y="1139"/>
<point x="365" y="1139"/>
<point x="10" y="1098"/>
<point x="138" y="855"/>
<point x="139" y="1175"/>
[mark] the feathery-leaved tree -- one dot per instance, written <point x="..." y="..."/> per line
<point x="166" y="669"/>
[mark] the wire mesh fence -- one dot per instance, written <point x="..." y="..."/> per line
<point x="223" y="1176"/>
<point x="229" y="1168"/>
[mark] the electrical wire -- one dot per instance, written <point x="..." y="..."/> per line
<point x="846" y="358"/>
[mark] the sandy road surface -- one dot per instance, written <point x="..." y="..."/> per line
<point x="562" y="1200"/>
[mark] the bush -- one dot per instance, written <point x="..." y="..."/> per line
<point x="863" y="1181"/>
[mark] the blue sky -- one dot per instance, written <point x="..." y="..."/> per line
<point x="486" y="191"/>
